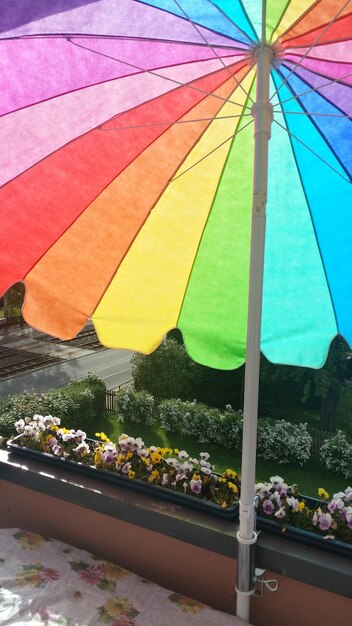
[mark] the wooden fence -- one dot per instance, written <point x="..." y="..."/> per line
<point x="318" y="438"/>
<point x="111" y="394"/>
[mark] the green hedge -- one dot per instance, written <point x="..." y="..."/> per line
<point x="78" y="405"/>
<point x="135" y="406"/>
<point x="206" y="424"/>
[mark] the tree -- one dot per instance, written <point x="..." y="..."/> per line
<point x="283" y="384"/>
<point x="170" y="373"/>
<point x="13" y="300"/>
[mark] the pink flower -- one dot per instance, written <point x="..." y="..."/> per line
<point x="90" y="576"/>
<point x="196" y="486"/>
<point x="349" y="517"/>
<point x="280" y="513"/>
<point x="325" y="520"/>
<point x="268" y="507"/>
<point x="336" y="503"/>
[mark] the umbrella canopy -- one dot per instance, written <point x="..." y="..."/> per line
<point x="135" y="184"/>
<point x="126" y="172"/>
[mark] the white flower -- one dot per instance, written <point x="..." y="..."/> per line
<point x="19" y="425"/>
<point x="276" y="480"/>
<point x="340" y="494"/>
<point x="293" y="502"/>
<point x="204" y="455"/>
<point x="261" y="487"/>
<point x="206" y="470"/>
<point x="182" y="455"/>
<point x="280" y="513"/>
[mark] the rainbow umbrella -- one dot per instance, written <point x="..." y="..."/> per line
<point x="135" y="149"/>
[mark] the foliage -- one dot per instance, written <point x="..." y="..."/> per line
<point x="136" y="406"/>
<point x="167" y="372"/>
<point x="201" y="422"/>
<point x="282" y="384"/>
<point x="336" y="454"/>
<point x="283" y="442"/>
<point x="89" y="396"/>
<point x="12" y="302"/>
<point x="81" y="402"/>
<point x="170" y="373"/>
<point x="284" y="504"/>
<point x="129" y="457"/>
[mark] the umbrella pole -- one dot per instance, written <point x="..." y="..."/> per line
<point x="246" y="536"/>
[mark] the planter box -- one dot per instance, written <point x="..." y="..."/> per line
<point x="155" y="491"/>
<point x="306" y="537"/>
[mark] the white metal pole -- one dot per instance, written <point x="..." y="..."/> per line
<point x="262" y="113"/>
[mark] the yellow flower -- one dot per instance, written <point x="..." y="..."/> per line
<point x="222" y="479"/>
<point x="120" y="459"/>
<point x="145" y="460"/>
<point x="54" y="428"/>
<point x="103" y="437"/>
<point x="129" y="455"/>
<point x="112" y="572"/>
<point x="231" y="473"/>
<point x="131" y="474"/>
<point x="31" y="541"/>
<point x="301" y="506"/>
<point x="223" y="504"/>
<point x="233" y="487"/>
<point x="195" y="477"/>
<point x="117" y="607"/>
<point x="323" y="494"/>
<point x="97" y="456"/>
<point x="176" y="450"/>
<point x="155" y="458"/>
<point x="154" y="476"/>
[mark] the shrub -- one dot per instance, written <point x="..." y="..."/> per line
<point x="166" y="373"/>
<point x="136" y="406"/>
<point x="89" y="397"/>
<point x="281" y="441"/>
<point x="231" y="428"/>
<point x="336" y="454"/>
<point x="80" y="404"/>
<point x="207" y="425"/>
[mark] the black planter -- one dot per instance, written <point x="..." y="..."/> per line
<point x="156" y="491"/>
<point x="286" y="531"/>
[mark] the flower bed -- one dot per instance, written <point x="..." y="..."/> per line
<point x="282" y="510"/>
<point x="163" y="472"/>
<point x="173" y="475"/>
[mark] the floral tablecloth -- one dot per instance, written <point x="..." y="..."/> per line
<point x="47" y="582"/>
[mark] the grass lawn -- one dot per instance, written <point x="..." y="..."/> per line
<point x="308" y="478"/>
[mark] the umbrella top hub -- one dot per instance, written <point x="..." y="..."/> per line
<point x="276" y="52"/>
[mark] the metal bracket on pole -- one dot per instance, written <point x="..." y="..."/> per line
<point x="271" y="584"/>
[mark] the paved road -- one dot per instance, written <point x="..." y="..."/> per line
<point x="111" y="365"/>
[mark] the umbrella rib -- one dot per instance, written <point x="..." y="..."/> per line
<point x="348" y="180"/>
<point x="195" y="26"/>
<point x="174" y="122"/>
<point x="303" y="93"/>
<point x="232" y="22"/>
<point x="152" y="72"/>
<point x="320" y="35"/>
<point x="172" y="180"/>
<point x="313" y="113"/>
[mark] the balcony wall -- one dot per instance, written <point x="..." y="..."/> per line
<point x="187" y="551"/>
